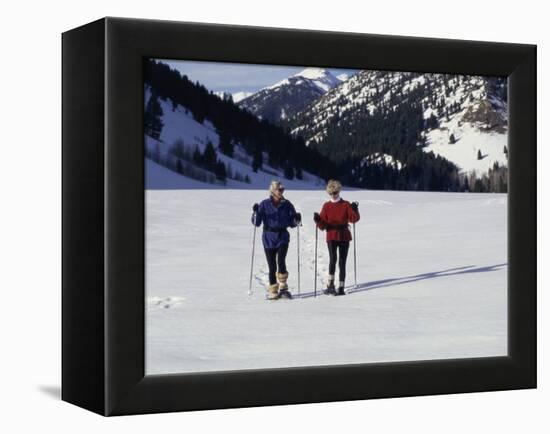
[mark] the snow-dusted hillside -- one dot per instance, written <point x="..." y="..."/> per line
<point x="431" y="283"/>
<point x="179" y="125"/>
<point x="290" y="95"/>
<point x="381" y="159"/>
<point x="469" y="140"/>
<point x="236" y="96"/>
<point x="479" y="125"/>
<point x="375" y="130"/>
<point x="343" y="77"/>
<point x="158" y="177"/>
<point x="471" y="109"/>
<point x="320" y="77"/>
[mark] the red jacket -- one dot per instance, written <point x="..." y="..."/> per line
<point x="333" y="216"/>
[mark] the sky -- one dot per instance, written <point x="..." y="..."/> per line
<point x="237" y="77"/>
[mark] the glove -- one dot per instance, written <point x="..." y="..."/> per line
<point x="298" y="218"/>
<point x="316" y="217"/>
<point x="255" y="207"/>
<point x="355" y="206"/>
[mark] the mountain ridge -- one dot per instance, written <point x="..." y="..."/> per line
<point x="468" y="108"/>
<point x="286" y="97"/>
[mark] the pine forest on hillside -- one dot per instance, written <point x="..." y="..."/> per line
<point x="374" y="130"/>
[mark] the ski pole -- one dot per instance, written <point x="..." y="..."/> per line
<point x="315" y="272"/>
<point x="298" y="234"/>
<point x="354" y="256"/>
<point x="252" y="260"/>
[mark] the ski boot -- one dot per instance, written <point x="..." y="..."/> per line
<point x="273" y="292"/>
<point x="330" y="289"/>
<point x="283" y="287"/>
<point x="341" y="290"/>
<point x="285" y="293"/>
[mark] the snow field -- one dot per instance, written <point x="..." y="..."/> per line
<point x="431" y="282"/>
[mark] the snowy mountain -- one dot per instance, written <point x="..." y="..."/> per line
<point x="236" y="96"/>
<point x="239" y="96"/>
<point x="291" y="95"/>
<point x="376" y="111"/>
<point x="376" y="130"/>
<point x="343" y="76"/>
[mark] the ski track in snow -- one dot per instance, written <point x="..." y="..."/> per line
<point x="431" y="282"/>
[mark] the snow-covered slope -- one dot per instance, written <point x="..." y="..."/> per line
<point x="290" y="95"/>
<point x="431" y="283"/>
<point x="343" y="76"/>
<point x="158" y="177"/>
<point x="320" y="77"/>
<point x="236" y="96"/>
<point x="469" y="139"/>
<point x="180" y="126"/>
<point x="472" y="109"/>
<point x="381" y="158"/>
<point x="239" y="96"/>
<point x="478" y="127"/>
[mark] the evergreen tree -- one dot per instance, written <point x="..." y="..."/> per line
<point x="227" y="97"/>
<point x="452" y="139"/>
<point x="479" y="156"/>
<point x="502" y="185"/>
<point x="156" y="154"/>
<point x="289" y="171"/>
<point x="220" y="171"/>
<point x="225" y="146"/>
<point x="152" y="117"/>
<point x="478" y="186"/>
<point x="432" y="122"/>
<point x="209" y="157"/>
<point x="197" y="156"/>
<point x="178" y="149"/>
<point x="257" y="159"/>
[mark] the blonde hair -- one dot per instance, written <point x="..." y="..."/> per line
<point x="333" y="186"/>
<point x="275" y="185"/>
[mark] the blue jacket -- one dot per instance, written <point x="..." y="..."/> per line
<point x="280" y="217"/>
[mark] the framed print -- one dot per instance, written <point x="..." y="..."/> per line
<point x="257" y="216"/>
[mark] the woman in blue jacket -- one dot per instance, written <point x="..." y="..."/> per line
<point x="276" y="214"/>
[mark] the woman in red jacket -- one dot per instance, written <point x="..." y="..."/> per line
<point x="335" y="217"/>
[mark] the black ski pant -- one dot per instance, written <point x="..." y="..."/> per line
<point x="338" y="250"/>
<point x="276" y="258"/>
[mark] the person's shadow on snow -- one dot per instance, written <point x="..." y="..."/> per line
<point x="384" y="283"/>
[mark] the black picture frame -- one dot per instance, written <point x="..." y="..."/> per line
<point x="103" y="216"/>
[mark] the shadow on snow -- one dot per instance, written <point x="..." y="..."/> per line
<point x="384" y="283"/>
